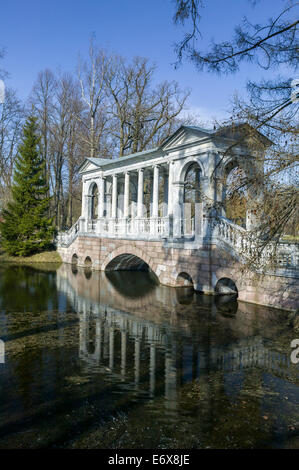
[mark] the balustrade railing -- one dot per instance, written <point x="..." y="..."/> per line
<point x="284" y="254"/>
<point x="67" y="237"/>
<point x="125" y="227"/>
<point x="188" y="227"/>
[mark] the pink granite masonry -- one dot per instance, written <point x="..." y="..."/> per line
<point x="204" y="266"/>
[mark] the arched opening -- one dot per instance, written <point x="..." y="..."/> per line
<point x="93" y="212"/>
<point x="226" y="286"/>
<point x="192" y="196"/>
<point x="74" y="259"/>
<point x="184" y="280"/>
<point x="88" y="262"/>
<point x="234" y="194"/>
<point x="127" y="262"/>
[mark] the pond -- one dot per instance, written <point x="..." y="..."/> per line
<point x="95" y="360"/>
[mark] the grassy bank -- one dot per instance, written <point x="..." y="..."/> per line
<point x="44" y="257"/>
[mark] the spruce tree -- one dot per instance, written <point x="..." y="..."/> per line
<point x="26" y="228"/>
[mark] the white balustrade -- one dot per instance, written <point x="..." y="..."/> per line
<point x="188" y="227"/>
<point x="285" y="255"/>
<point x="157" y="227"/>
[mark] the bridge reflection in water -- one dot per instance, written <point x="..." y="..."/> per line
<point x="154" y="339"/>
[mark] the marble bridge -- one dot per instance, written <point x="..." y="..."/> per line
<point x="159" y="210"/>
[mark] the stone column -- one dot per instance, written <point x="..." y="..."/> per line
<point x="140" y="194"/>
<point x="84" y="212"/>
<point x="170" y="189"/>
<point x="177" y="207"/>
<point x="126" y="194"/>
<point x="101" y="197"/>
<point x="156" y="192"/>
<point x="114" y="196"/>
<point x="165" y="194"/>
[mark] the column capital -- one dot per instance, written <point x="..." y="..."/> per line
<point x="179" y="184"/>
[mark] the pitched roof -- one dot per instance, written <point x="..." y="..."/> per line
<point x="233" y="131"/>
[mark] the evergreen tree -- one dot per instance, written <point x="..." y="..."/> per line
<point x="26" y="229"/>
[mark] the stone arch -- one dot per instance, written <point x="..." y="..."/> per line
<point x="187" y="163"/>
<point x="88" y="262"/>
<point x="123" y="253"/>
<point x="226" y="286"/>
<point x="93" y="200"/>
<point x="75" y="259"/>
<point x="190" y="196"/>
<point x="184" y="279"/>
<point x="248" y="194"/>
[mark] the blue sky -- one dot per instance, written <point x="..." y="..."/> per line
<point x="39" y="34"/>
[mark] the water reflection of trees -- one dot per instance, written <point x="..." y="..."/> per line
<point x="25" y="288"/>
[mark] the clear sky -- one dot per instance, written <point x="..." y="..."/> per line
<point x="39" y="34"/>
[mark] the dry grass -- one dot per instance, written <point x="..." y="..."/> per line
<point x="44" y="257"/>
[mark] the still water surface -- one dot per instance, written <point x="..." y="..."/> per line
<point x="95" y="360"/>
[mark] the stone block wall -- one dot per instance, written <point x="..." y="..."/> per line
<point x="175" y="266"/>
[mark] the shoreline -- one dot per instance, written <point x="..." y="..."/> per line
<point x="44" y="257"/>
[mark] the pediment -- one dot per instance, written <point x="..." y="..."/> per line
<point x="185" y="135"/>
<point x="88" y="166"/>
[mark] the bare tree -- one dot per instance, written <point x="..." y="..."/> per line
<point x="58" y="145"/>
<point x="270" y="44"/>
<point x="11" y="121"/>
<point x="91" y="75"/>
<point x="269" y="110"/>
<point x="42" y="103"/>
<point x="143" y="115"/>
<point x="74" y="155"/>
